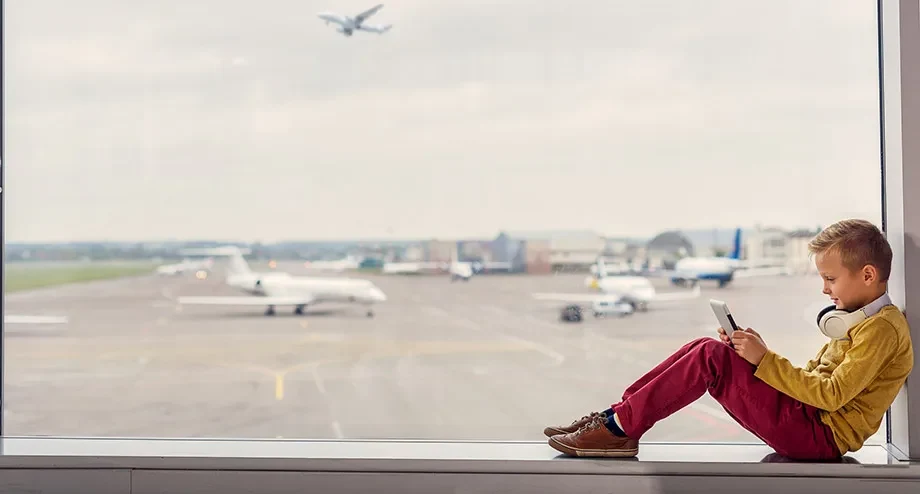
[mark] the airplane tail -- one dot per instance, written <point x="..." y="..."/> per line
<point x="736" y="248"/>
<point x="238" y="264"/>
<point x="601" y="268"/>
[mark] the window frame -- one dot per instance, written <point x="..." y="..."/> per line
<point x="899" y="115"/>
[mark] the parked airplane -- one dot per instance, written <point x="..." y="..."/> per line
<point x="23" y="319"/>
<point x="720" y="269"/>
<point x="17" y="324"/>
<point x="274" y="288"/>
<point x="186" y="266"/>
<point x="456" y="270"/>
<point x="336" y="266"/>
<point x="348" y="25"/>
<point x="618" y="292"/>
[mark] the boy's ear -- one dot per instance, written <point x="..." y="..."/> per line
<point x="869" y="274"/>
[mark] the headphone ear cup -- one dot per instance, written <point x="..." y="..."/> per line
<point x="823" y="312"/>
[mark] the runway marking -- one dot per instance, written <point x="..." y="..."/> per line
<point x="280" y="375"/>
<point x="553" y="355"/>
<point x="279" y="387"/>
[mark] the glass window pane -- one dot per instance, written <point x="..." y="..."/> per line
<point x="257" y="221"/>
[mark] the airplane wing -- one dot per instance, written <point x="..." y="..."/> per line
<point x="375" y="29"/>
<point x="766" y="271"/>
<point x="578" y="297"/>
<point x="367" y="13"/>
<point x="677" y="296"/>
<point x="18" y="319"/>
<point x="263" y="301"/>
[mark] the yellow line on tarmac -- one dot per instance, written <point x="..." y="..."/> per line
<point x="279" y="386"/>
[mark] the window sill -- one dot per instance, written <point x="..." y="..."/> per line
<point x="225" y="465"/>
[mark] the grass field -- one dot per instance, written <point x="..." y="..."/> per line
<point x="27" y="276"/>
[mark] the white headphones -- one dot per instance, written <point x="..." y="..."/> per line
<point x="835" y="323"/>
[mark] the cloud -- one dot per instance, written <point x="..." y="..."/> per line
<point x="466" y="118"/>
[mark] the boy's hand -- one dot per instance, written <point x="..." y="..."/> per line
<point x="749" y="345"/>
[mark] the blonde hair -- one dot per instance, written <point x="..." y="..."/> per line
<point x="858" y="243"/>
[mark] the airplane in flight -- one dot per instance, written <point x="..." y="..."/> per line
<point x="186" y="266"/>
<point x="691" y="270"/>
<point x="618" y="294"/>
<point x="347" y="25"/>
<point x="273" y="289"/>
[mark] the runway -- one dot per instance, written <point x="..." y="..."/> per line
<point x="477" y="360"/>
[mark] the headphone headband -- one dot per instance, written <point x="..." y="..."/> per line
<point x="836" y="323"/>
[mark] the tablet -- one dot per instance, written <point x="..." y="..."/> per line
<point x="726" y="321"/>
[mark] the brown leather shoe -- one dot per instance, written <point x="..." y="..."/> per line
<point x="555" y="430"/>
<point x="595" y="440"/>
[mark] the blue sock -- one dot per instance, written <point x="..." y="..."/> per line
<point x="612" y="426"/>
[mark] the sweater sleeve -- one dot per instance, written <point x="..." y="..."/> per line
<point x="813" y="364"/>
<point x="873" y="347"/>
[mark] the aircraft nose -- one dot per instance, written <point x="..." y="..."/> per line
<point x="377" y="295"/>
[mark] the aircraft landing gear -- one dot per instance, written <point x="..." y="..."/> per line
<point x="370" y="313"/>
<point x="299" y="309"/>
<point x="270" y="311"/>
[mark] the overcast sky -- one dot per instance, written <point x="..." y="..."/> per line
<point x="174" y="119"/>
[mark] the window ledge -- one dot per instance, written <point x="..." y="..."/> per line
<point x="416" y="455"/>
<point x="227" y="466"/>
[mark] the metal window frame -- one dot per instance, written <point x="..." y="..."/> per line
<point x="899" y="98"/>
<point x="2" y="209"/>
<point x="899" y="68"/>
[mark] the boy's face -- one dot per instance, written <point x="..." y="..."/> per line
<point x="849" y="290"/>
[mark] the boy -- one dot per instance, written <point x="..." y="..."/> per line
<point x="819" y="412"/>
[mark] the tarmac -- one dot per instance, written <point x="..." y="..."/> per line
<point x="477" y="360"/>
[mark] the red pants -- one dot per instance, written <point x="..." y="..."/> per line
<point x="789" y="426"/>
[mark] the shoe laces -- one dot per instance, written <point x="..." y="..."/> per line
<point x="592" y="416"/>
<point x="596" y="422"/>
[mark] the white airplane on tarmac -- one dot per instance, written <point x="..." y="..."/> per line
<point x="723" y="270"/>
<point x="348" y="25"/>
<point x="273" y="288"/>
<point x="336" y="266"/>
<point x="621" y="295"/>
<point x="25" y="319"/>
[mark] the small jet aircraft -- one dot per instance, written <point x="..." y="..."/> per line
<point x="275" y="288"/>
<point x="348" y="25"/>
<point x="620" y="295"/>
<point x="26" y="319"/>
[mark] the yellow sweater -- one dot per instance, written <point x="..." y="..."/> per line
<point x="852" y="382"/>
